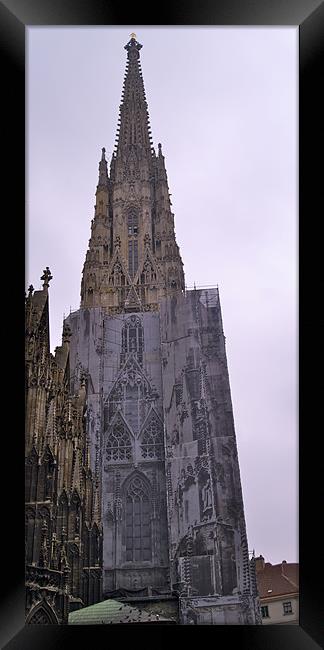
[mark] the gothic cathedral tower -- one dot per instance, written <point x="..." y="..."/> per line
<point x="159" y="412"/>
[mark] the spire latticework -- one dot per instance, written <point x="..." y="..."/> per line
<point x="134" y="128"/>
<point x="133" y="259"/>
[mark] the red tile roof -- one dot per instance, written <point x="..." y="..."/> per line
<point x="278" y="579"/>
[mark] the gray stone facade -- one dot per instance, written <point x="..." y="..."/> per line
<point x="122" y="355"/>
<point x="160" y="424"/>
<point x="208" y="544"/>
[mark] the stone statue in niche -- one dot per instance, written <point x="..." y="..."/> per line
<point x="117" y="274"/>
<point x="187" y="478"/>
<point x="180" y="489"/>
<point x="175" y="437"/>
<point x="200" y="545"/>
<point x="206" y="494"/>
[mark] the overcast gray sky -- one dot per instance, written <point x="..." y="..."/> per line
<point x="223" y="103"/>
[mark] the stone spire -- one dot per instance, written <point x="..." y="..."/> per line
<point x="103" y="173"/>
<point x="134" y="128"/>
<point x="133" y="259"/>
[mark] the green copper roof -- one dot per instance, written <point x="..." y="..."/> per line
<point x="111" y="611"/>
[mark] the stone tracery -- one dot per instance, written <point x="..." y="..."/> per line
<point x="152" y="440"/>
<point x="119" y="446"/>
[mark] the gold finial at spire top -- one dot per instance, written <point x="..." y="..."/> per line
<point x="133" y="35"/>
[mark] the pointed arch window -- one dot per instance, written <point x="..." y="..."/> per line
<point x="138" y="522"/>
<point x="74" y="564"/>
<point x="119" y="446"/>
<point x="74" y="516"/>
<point x="94" y="546"/>
<point x="31" y="474"/>
<point x="132" y="224"/>
<point x="152" y="440"/>
<point x="43" y="615"/>
<point x="29" y="534"/>
<point x="62" y="515"/>
<point x="132" y="339"/>
<point x="132" y="257"/>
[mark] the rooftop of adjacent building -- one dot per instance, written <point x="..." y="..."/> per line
<point x="113" y="611"/>
<point x="276" y="579"/>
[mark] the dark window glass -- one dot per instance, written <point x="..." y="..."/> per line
<point x="135" y="264"/>
<point x="132" y="243"/>
<point x="132" y="339"/>
<point x="132" y="222"/>
<point x="287" y="608"/>
<point x="138" y="524"/>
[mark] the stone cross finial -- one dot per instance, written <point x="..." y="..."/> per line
<point x="47" y="276"/>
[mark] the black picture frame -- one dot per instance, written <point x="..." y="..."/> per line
<point x="15" y="16"/>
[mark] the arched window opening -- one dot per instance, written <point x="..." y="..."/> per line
<point x="29" y="532"/>
<point x="74" y="517"/>
<point x="62" y="516"/>
<point x="132" y="223"/>
<point x="94" y="547"/>
<point x="74" y="561"/>
<point x="42" y="616"/>
<point x="132" y="257"/>
<point x="152" y="441"/>
<point x="31" y="477"/>
<point x="119" y="446"/>
<point x="37" y="539"/>
<point x="96" y="588"/>
<point x="41" y="482"/>
<point x="132" y="339"/>
<point x="45" y="478"/>
<point x="86" y="546"/>
<point x="138" y="522"/>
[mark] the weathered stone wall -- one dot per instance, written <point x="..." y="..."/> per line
<point x="63" y="531"/>
<point x="122" y="355"/>
<point x="208" y="545"/>
<point x="158" y="386"/>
